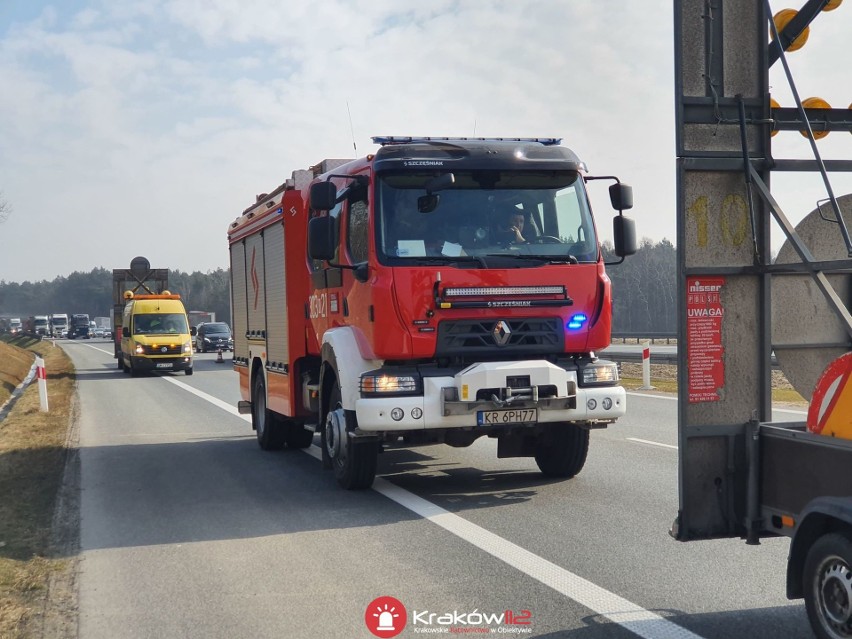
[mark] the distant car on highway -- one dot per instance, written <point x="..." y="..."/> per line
<point x="99" y="331"/>
<point x="212" y="336"/>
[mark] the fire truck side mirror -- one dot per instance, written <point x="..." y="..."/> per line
<point x="125" y="331"/>
<point x="321" y="240"/>
<point x="621" y="196"/>
<point x="624" y="236"/>
<point x="323" y="196"/>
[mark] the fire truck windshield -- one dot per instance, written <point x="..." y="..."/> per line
<point x="484" y="213"/>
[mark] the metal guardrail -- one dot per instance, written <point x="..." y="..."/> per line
<point x="662" y="335"/>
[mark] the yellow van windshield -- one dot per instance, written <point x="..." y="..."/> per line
<point x="159" y="323"/>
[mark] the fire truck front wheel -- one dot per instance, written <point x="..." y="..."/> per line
<point x="828" y="586"/>
<point x="269" y="431"/>
<point x="354" y="463"/>
<point x="561" y="450"/>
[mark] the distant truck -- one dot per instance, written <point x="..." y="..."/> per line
<point x="15" y="325"/>
<point x="200" y="317"/>
<point x="38" y="325"/>
<point x="79" y="326"/>
<point x="58" y="324"/>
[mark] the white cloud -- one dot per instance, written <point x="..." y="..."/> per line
<point x="145" y="128"/>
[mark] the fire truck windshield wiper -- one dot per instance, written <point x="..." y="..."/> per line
<point x="549" y="259"/>
<point x="448" y="259"/>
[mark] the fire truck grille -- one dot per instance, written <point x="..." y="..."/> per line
<point x="527" y="335"/>
<point x="158" y="349"/>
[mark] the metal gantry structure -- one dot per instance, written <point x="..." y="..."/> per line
<point x="740" y="473"/>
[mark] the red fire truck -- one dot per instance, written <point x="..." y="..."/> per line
<point x="436" y="291"/>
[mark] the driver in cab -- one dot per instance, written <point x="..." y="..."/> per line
<point x="511" y="230"/>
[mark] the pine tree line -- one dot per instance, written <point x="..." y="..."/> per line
<point x="91" y="293"/>
<point x="643" y="290"/>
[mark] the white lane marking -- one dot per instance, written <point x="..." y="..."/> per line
<point x="647" y="441"/>
<point x="617" y="609"/>
<point x="207" y="397"/>
<point x="100" y="349"/>
<point x="669" y="397"/>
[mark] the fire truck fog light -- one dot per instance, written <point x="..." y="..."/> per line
<point x="606" y="403"/>
<point x="592" y="404"/>
<point x="416" y="413"/>
<point x="397" y="414"/>
<point x="140" y="349"/>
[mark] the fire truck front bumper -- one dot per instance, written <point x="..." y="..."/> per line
<point x="493" y="394"/>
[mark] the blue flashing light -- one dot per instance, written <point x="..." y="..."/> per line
<point x="576" y="322"/>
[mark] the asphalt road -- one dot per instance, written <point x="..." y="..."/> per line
<point x="188" y="529"/>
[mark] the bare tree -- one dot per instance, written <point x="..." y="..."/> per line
<point x="5" y="208"/>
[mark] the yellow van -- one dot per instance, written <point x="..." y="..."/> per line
<point x="155" y="335"/>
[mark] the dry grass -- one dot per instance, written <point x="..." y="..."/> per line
<point x="664" y="379"/>
<point x="16" y="365"/>
<point x="32" y="461"/>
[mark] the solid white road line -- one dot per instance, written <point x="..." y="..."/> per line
<point x="646" y="441"/>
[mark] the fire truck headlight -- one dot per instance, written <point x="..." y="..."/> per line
<point x="384" y="384"/>
<point x="140" y="349"/>
<point x="600" y="373"/>
<point x="397" y="414"/>
<point x="606" y="403"/>
<point x="187" y="347"/>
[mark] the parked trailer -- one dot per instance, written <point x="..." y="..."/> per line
<point x="741" y="474"/>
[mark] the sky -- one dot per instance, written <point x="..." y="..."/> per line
<point x="145" y="128"/>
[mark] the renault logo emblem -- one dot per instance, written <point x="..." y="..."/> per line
<point x="501" y="333"/>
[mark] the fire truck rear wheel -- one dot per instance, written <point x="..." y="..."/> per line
<point x="561" y="450"/>
<point x="828" y="586"/>
<point x="270" y="432"/>
<point x="354" y="463"/>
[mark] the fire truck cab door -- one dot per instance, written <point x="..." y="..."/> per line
<point x="326" y="286"/>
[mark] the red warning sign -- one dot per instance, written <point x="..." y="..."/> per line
<point x="705" y="354"/>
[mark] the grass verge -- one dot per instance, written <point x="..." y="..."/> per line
<point x="33" y="451"/>
<point x="779" y="395"/>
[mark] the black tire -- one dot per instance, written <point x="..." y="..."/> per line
<point x="561" y="450"/>
<point x="270" y="432"/>
<point x="120" y="363"/>
<point x="827" y="581"/>
<point x="134" y="372"/>
<point x="188" y="371"/>
<point x="355" y="465"/>
<point x="298" y="437"/>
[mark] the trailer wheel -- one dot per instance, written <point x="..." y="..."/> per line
<point x="354" y="463"/>
<point x="828" y="586"/>
<point x="270" y="432"/>
<point x="561" y="450"/>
